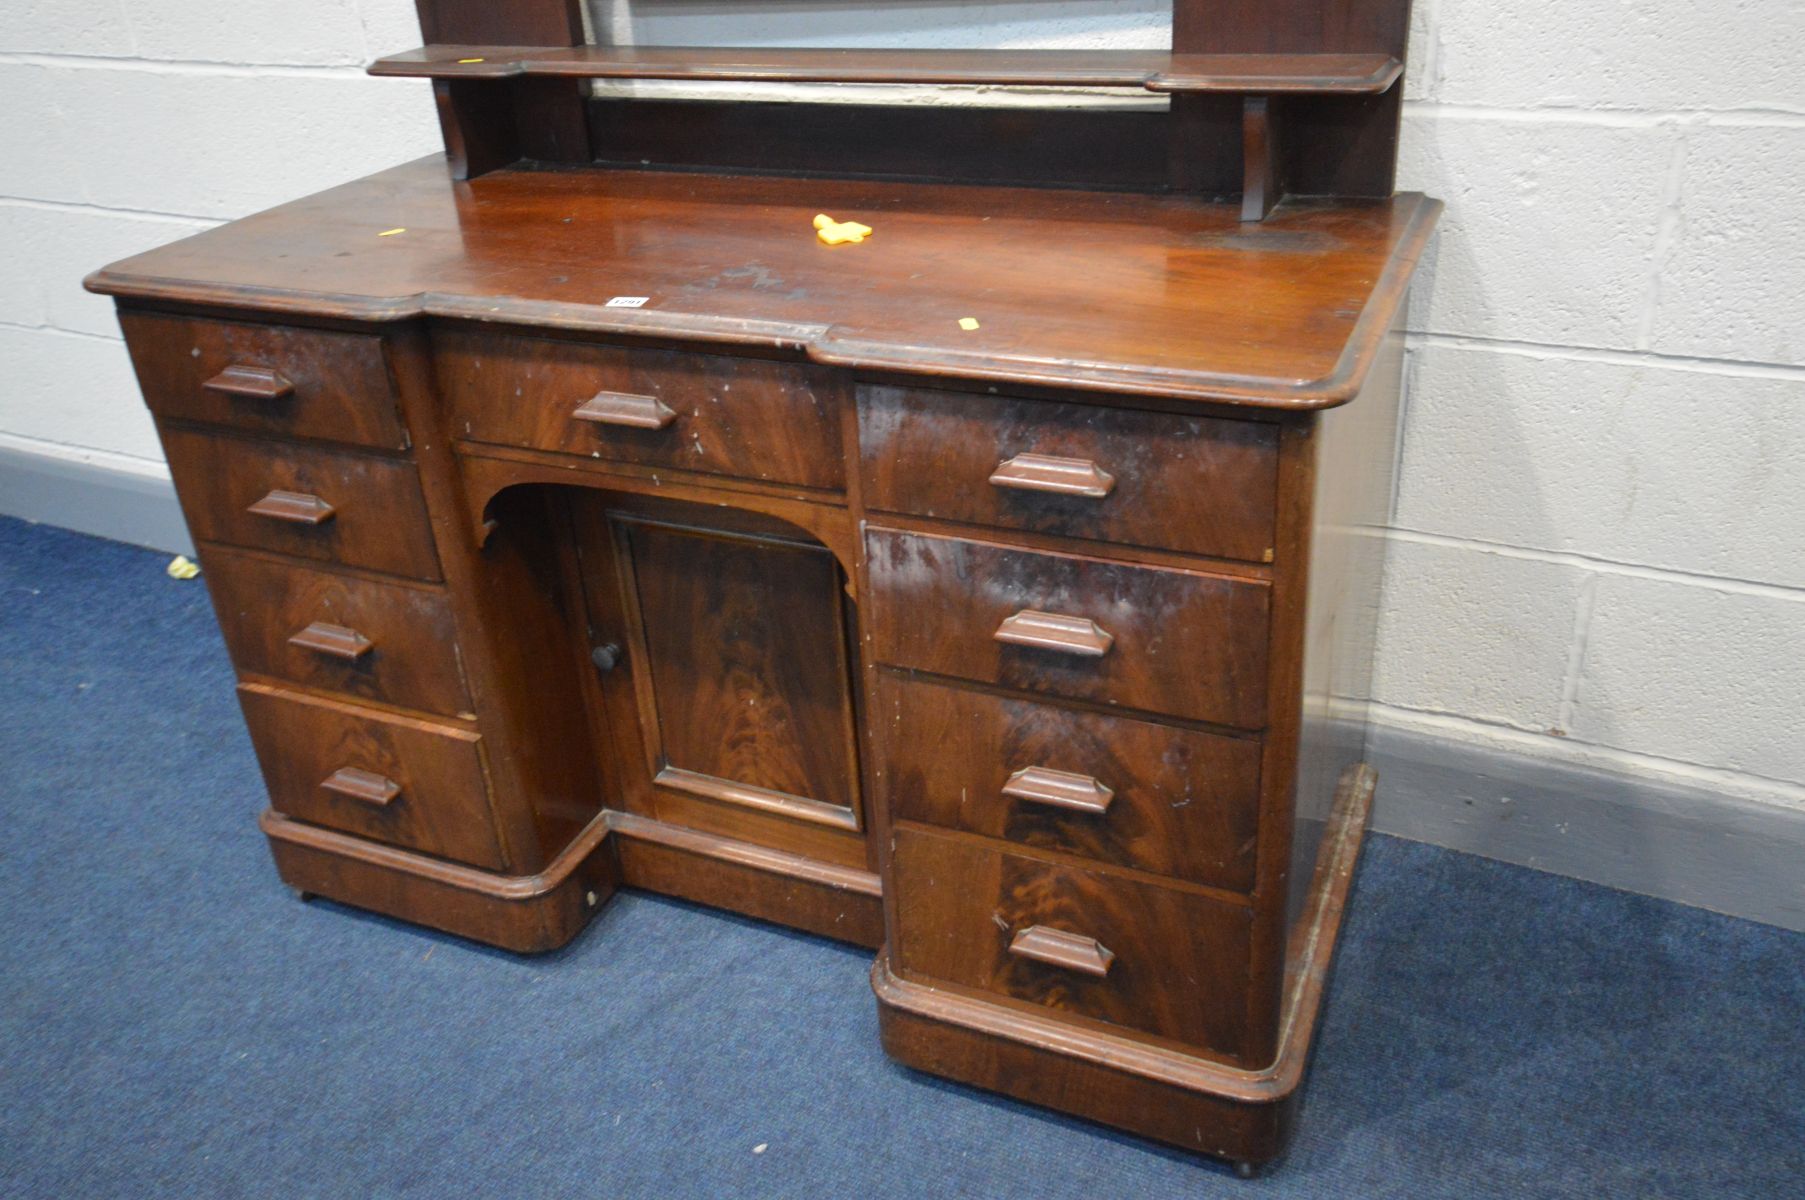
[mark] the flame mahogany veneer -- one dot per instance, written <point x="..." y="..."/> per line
<point x="1029" y="655"/>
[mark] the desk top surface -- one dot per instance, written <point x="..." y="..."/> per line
<point x="1157" y="295"/>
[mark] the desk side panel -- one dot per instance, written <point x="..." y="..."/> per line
<point x="1356" y="449"/>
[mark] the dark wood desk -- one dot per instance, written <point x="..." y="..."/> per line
<point x="1010" y="650"/>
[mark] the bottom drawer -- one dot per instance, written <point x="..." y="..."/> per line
<point x="1160" y="960"/>
<point x="391" y="779"/>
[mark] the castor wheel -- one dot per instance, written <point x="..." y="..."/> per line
<point x="1246" y="1170"/>
<point x="302" y="895"/>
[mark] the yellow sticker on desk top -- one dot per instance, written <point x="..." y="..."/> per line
<point x="968" y="323"/>
<point x="472" y="60"/>
<point x="393" y="232"/>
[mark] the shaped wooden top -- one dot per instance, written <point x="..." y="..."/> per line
<point x="1154" y="294"/>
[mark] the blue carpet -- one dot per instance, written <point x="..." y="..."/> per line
<point x="174" y="1023"/>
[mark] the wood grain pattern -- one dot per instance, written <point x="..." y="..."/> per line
<point x="1180" y="958"/>
<point x="1184" y="803"/>
<point x="1181" y="300"/>
<point x="520" y="634"/>
<point x="748" y="677"/>
<point x="733" y="416"/>
<point x="338" y="383"/>
<point x="1040" y="1070"/>
<point x="630" y="708"/>
<point x="1195" y="484"/>
<point x="833" y="901"/>
<point x="1151" y="1090"/>
<point x="378" y="515"/>
<point x="528" y="914"/>
<point x="441" y="807"/>
<point x="409" y="657"/>
<point x="1185" y="643"/>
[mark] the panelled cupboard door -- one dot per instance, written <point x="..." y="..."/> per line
<point x="727" y="673"/>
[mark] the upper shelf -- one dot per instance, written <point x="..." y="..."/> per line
<point x="1150" y="70"/>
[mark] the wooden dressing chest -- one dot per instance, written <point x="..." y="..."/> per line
<point x="997" y="592"/>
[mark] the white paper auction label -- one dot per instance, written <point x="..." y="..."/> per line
<point x="627" y="302"/>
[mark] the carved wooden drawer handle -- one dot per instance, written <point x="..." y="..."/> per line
<point x="366" y="787"/>
<point x="1073" y="951"/>
<point x="622" y="408"/>
<point x="297" y="508"/>
<point x="335" y="641"/>
<point x="1045" y="473"/>
<point x="1060" y="789"/>
<point x="253" y="383"/>
<point x="1053" y="631"/>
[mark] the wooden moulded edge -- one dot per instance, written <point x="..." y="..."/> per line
<point x="821" y="344"/>
<point x="1149" y="70"/>
<point x="535" y="913"/>
<point x="1311" y="955"/>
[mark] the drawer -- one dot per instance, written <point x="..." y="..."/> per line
<point x="1200" y="485"/>
<point x="389" y="642"/>
<point x="392" y="779"/>
<point x="1160" y="960"/>
<point x="355" y="509"/>
<point x="1180" y="642"/>
<point x="1172" y="801"/>
<point x="266" y="378"/>
<point x="754" y="418"/>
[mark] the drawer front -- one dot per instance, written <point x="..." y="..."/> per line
<point x="391" y="779"/>
<point x="1156" y="959"/>
<point x="1171" y="801"/>
<point x="1178" y="642"/>
<point x="266" y="378"/>
<point x="355" y="509"/>
<point x="1194" y="484"/>
<point x="377" y="641"/>
<point x="757" y="419"/>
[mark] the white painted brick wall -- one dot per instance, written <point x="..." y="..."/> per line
<point x="72" y="388"/>
<point x="1733" y="283"/>
<point x="1705" y="673"/>
<point x="1481" y="634"/>
<point x="50" y="248"/>
<point x="1551" y="225"/>
<point x="1634" y="55"/>
<point x="1601" y="529"/>
<point x="1617" y="459"/>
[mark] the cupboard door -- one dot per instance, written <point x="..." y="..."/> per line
<point x="729" y="697"/>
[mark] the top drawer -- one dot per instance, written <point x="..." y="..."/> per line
<point x="266" y="378"/>
<point x="1199" y="485"/>
<point x="749" y="417"/>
